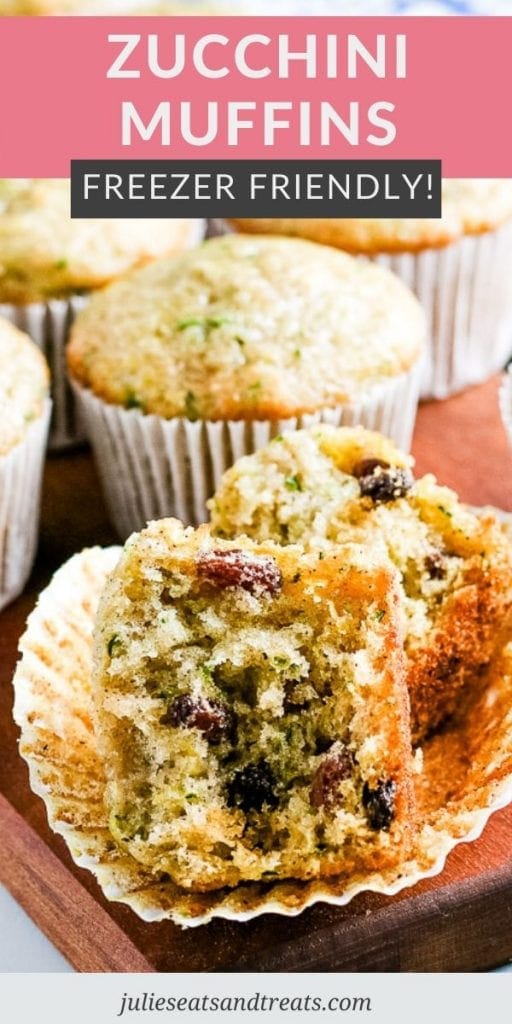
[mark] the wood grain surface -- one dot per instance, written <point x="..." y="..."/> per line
<point x="459" y="921"/>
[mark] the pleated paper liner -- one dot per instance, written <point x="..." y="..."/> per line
<point x="465" y="291"/>
<point x="48" y="324"/>
<point x="151" y="467"/>
<point x="21" y="472"/>
<point x="466" y="776"/>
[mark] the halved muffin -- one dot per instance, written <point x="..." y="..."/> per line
<point x="252" y="709"/>
<point x="327" y="487"/>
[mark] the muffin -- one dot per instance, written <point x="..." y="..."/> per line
<point x="49" y="262"/>
<point x="461" y="775"/>
<point x="458" y="266"/>
<point x="188" y="363"/>
<point x="327" y="487"/>
<point x="252" y="729"/>
<point x="24" y="416"/>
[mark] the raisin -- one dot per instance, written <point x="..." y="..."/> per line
<point x="235" y="568"/>
<point x="385" y="484"/>
<point x="252" y="787"/>
<point x="323" y="744"/>
<point x="223" y="851"/>
<point x="448" y="668"/>
<point x="379" y="803"/>
<point x="335" y="768"/>
<point x="366" y="466"/>
<point x="216" y="721"/>
<point x="292" y="702"/>
<point x="434" y="564"/>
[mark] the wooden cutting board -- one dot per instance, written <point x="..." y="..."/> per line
<point x="459" y="921"/>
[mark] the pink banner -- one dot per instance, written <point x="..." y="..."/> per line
<point x="268" y="88"/>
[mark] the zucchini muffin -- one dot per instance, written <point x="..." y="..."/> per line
<point x="458" y="266"/>
<point x="45" y="254"/>
<point x="246" y="328"/>
<point x="24" y="414"/>
<point x="48" y="262"/>
<point x="328" y="487"/>
<point x="246" y="333"/>
<point x="470" y="206"/>
<point x="252" y="709"/>
<point x="461" y="777"/>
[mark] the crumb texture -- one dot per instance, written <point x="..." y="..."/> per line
<point x="329" y="486"/>
<point x="461" y="775"/>
<point x="252" y="709"/>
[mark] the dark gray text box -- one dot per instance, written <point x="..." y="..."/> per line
<point x="259" y="188"/>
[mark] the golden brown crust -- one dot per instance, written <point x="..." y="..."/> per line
<point x="468" y="631"/>
<point x="45" y="254"/>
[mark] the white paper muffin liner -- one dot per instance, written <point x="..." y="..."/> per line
<point x="151" y="467"/>
<point x="465" y="290"/>
<point x="48" y="324"/>
<point x="54" y="709"/>
<point x="21" y="472"/>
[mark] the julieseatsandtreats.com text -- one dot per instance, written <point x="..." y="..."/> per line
<point x="258" y="1002"/>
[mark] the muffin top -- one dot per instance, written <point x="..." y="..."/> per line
<point x="24" y="379"/>
<point x="45" y="254"/>
<point x="247" y="328"/>
<point x="470" y="207"/>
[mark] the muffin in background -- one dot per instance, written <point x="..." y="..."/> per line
<point x="49" y="263"/>
<point x="24" y="418"/>
<point x="189" y="363"/>
<point x="458" y="266"/>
